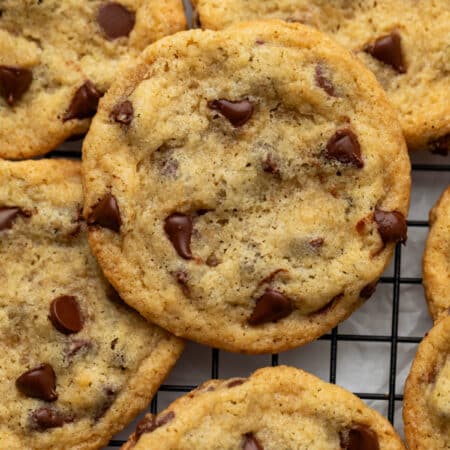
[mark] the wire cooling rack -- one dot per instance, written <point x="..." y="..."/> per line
<point x="370" y="353"/>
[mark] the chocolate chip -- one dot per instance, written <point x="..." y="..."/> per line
<point x="77" y="345"/>
<point x="368" y="291"/>
<point x="328" y="306"/>
<point x="270" y="307"/>
<point x="251" y="443"/>
<point x="317" y="243"/>
<point x="359" y="437"/>
<point x="270" y="165"/>
<point x="42" y="419"/>
<point x="236" y="382"/>
<point x="14" y="82"/>
<point x="237" y="112"/>
<point x="344" y="147"/>
<point x="65" y="314"/>
<point x="8" y="215"/>
<point x="391" y="226"/>
<point x="323" y="81"/>
<point x="123" y="113"/>
<point x="106" y="214"/>
<point x="84" y="102"/>
<point x="178" y="228"/>
<point x="269" y="278"/>
<point x="440" y="146"/>
<point x="39" y="382"/>
<point x="110" y="395"/>
<point x="115" y="20"/>
<point x="388" y="50"/>
<point x="150" y="423"/>
<point x="212" y="261"/>
<point x="182" y="279"/>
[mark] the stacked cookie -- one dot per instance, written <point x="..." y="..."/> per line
<point x="243" y="188"/>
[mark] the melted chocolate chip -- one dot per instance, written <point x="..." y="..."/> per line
<point x="368" y="291"/>
<point x="77" y="345"/>
<point x="182" y="279"/>
<point x="391" y="226"/>
<point x="123" y="113"/>
<point x="84" y="102"/>
<point x="328" y="306"/>
<point x="440" y="146"/>
<point x="14" y="82"/>
<point x="110" y="395"/>
<point x="270" y="165"/>
<point x="150" y="423"/>
<point x="39" y="382"/>
<point x="8" y="215"/>
<point x="344" y="147"/>
<point x="251" y="443"/>
<point x="65" y="314"/>
<point x="270" y="307"/>
<point x="388" y="50"/>
<point x="237" y="112"/>
<point x="359" y="437"/>
<point x="106" y="214"/>
<point x="115" y="20"/>
<point x="178" y="228"/>
<point x="316" y="243"/>
<point x="42" y="419"/>
<point x="236" y="382"/>
<point x="323" y="81"/>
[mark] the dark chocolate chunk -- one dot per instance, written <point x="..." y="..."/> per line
<point x="440" y="146"/>
<point x="236" y="382"/>
<point x="237" y="112"/>
<point x="65" y="314"/>
<point x="344" y="147"/>
<point x="323" y="81"/>
<point x="178" y="228"/>
<point x="43" y="418"/>
<point x="388" y="50"/>
<point x="123" y="113"/>
<point x="328" y="306"/>
<point x="368" y="291"/>
<point x="110" y="395"/>
<point x="150" y="423"/>
<point x="115" y="20"/>
<point x="391" y="226"/>
<point x="106" y="214"/>
<point x="84" y="102"/>
<point x="359" y="437"/>
<point x="14" y="82"/>
<point x="39" y="382"/>
<point x="270" y="307"/>
<point x="251" y="443"/>
<point x="182" y="279"/>
<point x="8" y="215"/>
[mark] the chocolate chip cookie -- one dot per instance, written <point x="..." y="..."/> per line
<point x="276" y="408"/>
<point x="232" y="199"/>
<point x="76" y="363"/>
<point x="406" y="43"/>
<point x="58" y="57"/>
<point x="436" y="260"/>
<point x="426" y="410"/>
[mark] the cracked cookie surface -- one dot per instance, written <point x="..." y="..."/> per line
<point x="426" y="410"/>
<point x="57" y="57"/>
<point x="77" y="364"/>
<point x="405" y="43"/>
<point x="436" y="260"/>
<point x="232" y="199"/>
<point x="275" y="408"/>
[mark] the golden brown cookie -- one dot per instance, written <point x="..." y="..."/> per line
<point x="76" y="363"/>
<point x="58" y="57"/>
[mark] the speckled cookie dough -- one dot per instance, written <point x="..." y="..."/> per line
<point x="276" y="408"/>
<point x="76" y="363"/>
<point x="436" y="260"/>
<point x="406" y="43"/>
<point x="426" y="410"/>
<point x="58" y="57"/>
<point x="245" y="188"/>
